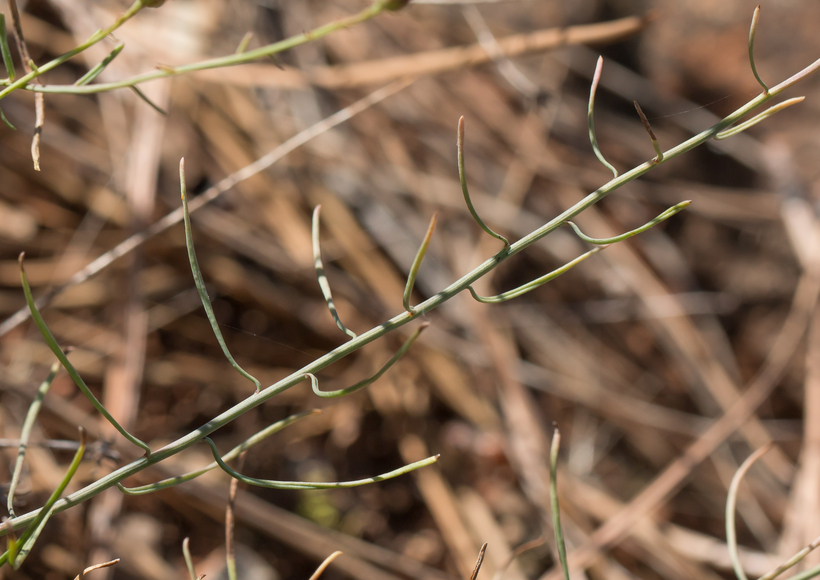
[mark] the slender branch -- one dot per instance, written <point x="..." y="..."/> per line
<point x="403" y="318"/>
<point x="368" y="13"/>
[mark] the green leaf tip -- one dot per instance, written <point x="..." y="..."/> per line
<point x="596" y="78"/>
<point x="324" y="285"/>
<point x="414" y="269"/>
<point x="740" y="127"/>
<point x="199" y="282"/>
<point x="556" y="512"/>
<point x="752" y="32"/>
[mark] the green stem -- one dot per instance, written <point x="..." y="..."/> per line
<point x="403" y="318"/>
<point x="23" y="81"/>
<point x="220" y="62"/>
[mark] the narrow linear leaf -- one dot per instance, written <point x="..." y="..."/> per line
<point x="556" y="511"/>
<point x="648" y="127"/>
<point x="274" y="484"/>
<point x="98" y="68"/>
<point x="324" y="286"/>
<point x="314" y="382"/>
<point x="189" y="563"/>
<point x="6" y="121"/>
<point x="414" y="269"/>
<point x="752" y="32"/>
<point x="25" y="433"/>
<point x="200" y="283"/>
<point x="529" y="286"/>
<point x="4" y="48"/>
<point x="72" y="372"/>
<point x="151" y="103"/>
<point x="243" y="44"/>
<point x="650" y="224"/>
<point x="462" y="176"/>
<point x="596" y="78"/>
<point x="740" y="127"/>
<point x="247" y="444"/>
<point x="29" y="537"/>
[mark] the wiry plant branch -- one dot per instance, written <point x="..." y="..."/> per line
<point x="403" y="318"/>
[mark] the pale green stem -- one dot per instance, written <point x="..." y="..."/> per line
<point x="245" y="445"/>
<point x="273" y="484"/>
<point x="414" y="269"/>
<point x="25" y="433"/>
<point x="72" y="372"/>
<point x="221" y="62"/>
<point x="596" y="78"/>
<point x="794" y="560"/>
<point x="731" y="504"/>
<point x="314" y="382"/>
<point x="556" y="510"/>
<point x="650" y="224"/>
<point x="23" y="81"/>
<point x="462" y="177"/>
<point x="324" y="286"/>
<point x="200" y="283"/>
<point x="403" y="318"/>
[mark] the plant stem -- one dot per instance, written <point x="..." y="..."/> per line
<point x="220" y="62"/>
<point x="94" y="39"/>
<point x="421" y="309"/>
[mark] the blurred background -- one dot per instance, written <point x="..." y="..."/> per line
<point x="664" y="360"/>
